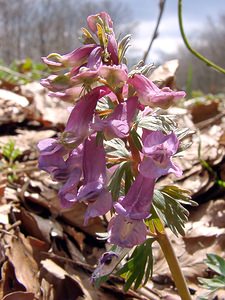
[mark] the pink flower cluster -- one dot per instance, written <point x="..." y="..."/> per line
<point x="91" y="76"/>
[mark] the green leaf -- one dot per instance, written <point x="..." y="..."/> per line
<point x="216" y="263"/>
<point x="213" y="284"/>
<point x="128" y="177"/>
<point x="10" y="152"/>
<point x="116" y="178"/>
<point x="141" y="68"/>
<point x="136" y="139"/>
<point x="168" y="205"/>
<point x="117" y="148"/>
<point x="138" y="268"/>
<point x="156" y="122"/>
<point x="154" y="223"/>
<point x="182" y="133"/>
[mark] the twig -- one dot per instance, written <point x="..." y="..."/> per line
<point x="155" y="34"/>
<point x="194" y="52"/>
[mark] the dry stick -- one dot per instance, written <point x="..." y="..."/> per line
<point x="155" y="34"/>
<point x="174" y="266"/>
<point x="194" y="52"/>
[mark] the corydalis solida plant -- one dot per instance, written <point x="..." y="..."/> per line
<point x="107" y="157"/>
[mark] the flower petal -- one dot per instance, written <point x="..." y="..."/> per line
<point x="137" y="202"/>
<point x="151" y="95"/>
<point x="126" y="232"/>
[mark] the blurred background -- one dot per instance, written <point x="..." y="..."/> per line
<point x="31" y="29"/>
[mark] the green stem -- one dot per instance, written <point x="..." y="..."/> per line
<point x="194" y="52"/>
<point x="174" y="266"/>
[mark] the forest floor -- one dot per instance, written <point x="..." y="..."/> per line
<point x="47" y="253"/>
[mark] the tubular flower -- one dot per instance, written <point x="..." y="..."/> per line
<point x="158" y="150"/>
<point x="149" y="94"/>
<point x="126" y="232"/>
<point x="66" y="171"/>
<point x="68" y="95"/>
<point x="116" y="76"/>
<point x="51" y="157"/>
<point x="75" y="58"/>
<point x="88" y="73"/>
<point x="94" y="191"/>
<point x="137" y="202"/>
<point x="56" y="83"/>
<point x="110" y="104"/>
<point x="93" y="20"/>
<point x="78" y="125"/>
<point x="118" y="123"/>
<point x="107" y="39"/>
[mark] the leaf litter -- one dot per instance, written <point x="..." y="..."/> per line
<point x="47" y="253"/>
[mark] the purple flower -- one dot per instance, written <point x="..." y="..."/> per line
<point x="118" y="123"/>
<point x="104" y="20"/>
<point x="88" y="73"/>
<point x="95" y="59"/>
<point x="68" y="95"/>
<point x="116" y="76"/>
<point x="93" y="20"/>
<point x="126" y="232"/>
<point x="51" y="156"/>
<point x="67" y="171"/>
<point x="68" y="192"/>
<point x="113" y="48"/>
<point x="108" y="262"/>
<point x="75" y="58"/>
<point x="158" y="150"/>
<point x="149" y="94"/>
<point x="73" y="167"/>
<point x="137" y="202"/>
<point x="78" y="125"/>
<point x="94" y="190"/>
<point x="56" y="83"/>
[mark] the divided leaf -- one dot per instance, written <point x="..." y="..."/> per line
<point x="138" y="268"/>
<point x="122" y="174"/>
<point x="115" y="181"/>
<point x="168" y="205"/>
<point x="117" y="148"/>
<point x="163" y="123"/>
<point x="217" y="264"/>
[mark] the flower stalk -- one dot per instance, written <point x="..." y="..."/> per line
<point x="173" y="264"/>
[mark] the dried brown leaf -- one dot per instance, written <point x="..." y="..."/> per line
<point x="20" y="254"/>
<point x="19" y="296"/>
<point x="9" y="282"/>
<point x="65" y="286"/>
<point x="165" y="74"/>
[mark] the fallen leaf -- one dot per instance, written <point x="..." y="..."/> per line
<point x="165" y="74"/>
<point x="19" y="253"/>
<point x="19" y="296"/>
<point x="9" y="283"/>
<point x="65" y="286"/>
